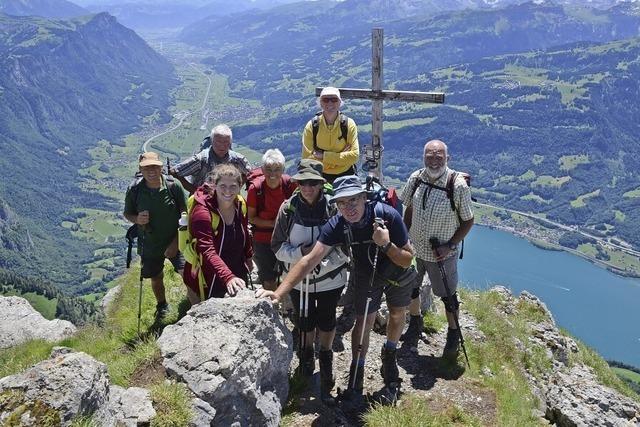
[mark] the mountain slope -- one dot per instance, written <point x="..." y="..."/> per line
<point x="64" y="86"/>
<point x="44" y="8"/>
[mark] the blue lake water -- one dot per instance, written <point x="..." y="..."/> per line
<point x="595" y="305"/>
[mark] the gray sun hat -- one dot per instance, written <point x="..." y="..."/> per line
<point x="346" y="186"/>
<point x="309" y="169"/>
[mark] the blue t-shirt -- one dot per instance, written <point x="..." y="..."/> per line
<point x="363" y="248"/>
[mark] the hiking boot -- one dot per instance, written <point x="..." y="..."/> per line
<point x="389" y="368"/>
<point x="388" y="396"/>
<point x="414" y="331"/>
<point x="452" y="346"/>
<point x="307" y="361"/>
<point x="359" y="380"/>
<point x="327" y="381"/>
<point x="162" y="309"/>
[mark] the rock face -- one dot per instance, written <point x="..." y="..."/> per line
<point x="63" y="386"/>
<point x="19" y="322"/>
<point x="128" y="407"/>
<point x="234" y="354"/>
<point x="570" y="394"/>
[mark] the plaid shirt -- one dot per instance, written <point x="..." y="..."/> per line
<point x="432" y="214"/>
<point x="198" y="167"/>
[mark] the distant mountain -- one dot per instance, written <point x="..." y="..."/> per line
<point x="44" y="8"/>
<point x="64" y="85"/>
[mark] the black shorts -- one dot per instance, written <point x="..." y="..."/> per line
<point x="321" y="312"/>
<point x="266" y="261"/>
<point x="152" y="267"/>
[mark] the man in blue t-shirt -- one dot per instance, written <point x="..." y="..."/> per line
<point x="382" y="255"/>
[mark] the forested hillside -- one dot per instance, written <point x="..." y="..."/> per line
<point x="65" y="85"/>
<point x="541" y="100"/>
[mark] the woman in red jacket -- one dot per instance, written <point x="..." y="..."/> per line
<point x="226" y="251"/>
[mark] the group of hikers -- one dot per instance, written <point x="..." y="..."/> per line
<point x="313" y="236"/>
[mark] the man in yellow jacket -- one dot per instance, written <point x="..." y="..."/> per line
<point x="331" y="137"/>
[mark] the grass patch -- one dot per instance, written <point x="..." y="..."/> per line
<point x="550" y="181"/>
<point x="581" y="201"/>
<point x="633" y="194"/>
<point x="172" y="404"/>
<point x="626" y="373"/>
<point x="413" y="411"/>
<point x="43" y="305"/>
<point x="20" y="357"/>
<point x="515" y="402"/>
<point x="434" y="322"/>
<point x="568" y="163"/>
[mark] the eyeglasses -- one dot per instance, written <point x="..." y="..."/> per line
<point x="331" y="100"/>
<point x="309" y="182"/>
<point x="349" y="203"/>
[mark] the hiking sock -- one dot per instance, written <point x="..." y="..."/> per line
<point x="391" y="345"/>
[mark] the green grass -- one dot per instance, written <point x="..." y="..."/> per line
<point x="550" y="181"/>
<point x="581" y="201"/>
<point x="568" y="163"/>
<point x="117" y="344"/>
<point x="626" y="373"/>
<point x="413" y="411"/>
<point x="633" y="194"/>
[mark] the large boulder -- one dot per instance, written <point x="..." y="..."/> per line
<point x="126" y="407"/>
<point x="54" y="391"/>
<point x="234" y="354"/>
<point x="19" y="322"/>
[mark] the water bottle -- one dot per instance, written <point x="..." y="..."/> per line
<point x="183" y="233"/>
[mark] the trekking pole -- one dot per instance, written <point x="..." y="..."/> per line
<point x="249" y="278"/>
<point x="434" y="245"/>
<point x="141" y="239"/>
<point x="364" y="321"/>
<point x="302" y="336"/>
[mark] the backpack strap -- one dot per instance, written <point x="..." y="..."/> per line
<point x="315" y="127"/>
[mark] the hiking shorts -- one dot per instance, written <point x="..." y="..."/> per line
<point x="437" y="285"/>
<point x="266" y="261"/>
<point x="321" y="312"/>
<point x="152" y="267"/>
<point x="397" y="296"/>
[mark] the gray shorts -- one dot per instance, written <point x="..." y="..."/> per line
<point x="431" y="268"/>
<point x="266" y="261"/>
<point x="397" y="296"/>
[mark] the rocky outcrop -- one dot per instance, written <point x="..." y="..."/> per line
<point x="19" y="322"/>
<point x="233" y="354"/>
<point x="126" y="407"/>
<point x="570" y="393"/>
<point x="109" y="297"/>
<point x="62" y="387"/>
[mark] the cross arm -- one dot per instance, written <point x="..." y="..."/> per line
<point x="390" y="95"/>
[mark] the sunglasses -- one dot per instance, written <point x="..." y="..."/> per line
<point x="331" y="99"/>
<point x="309" y="183"/>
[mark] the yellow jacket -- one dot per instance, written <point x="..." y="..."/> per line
<point x="339" y="155"/>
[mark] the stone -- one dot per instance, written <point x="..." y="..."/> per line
<point x="203" y="413"/>
<point x="574" y="397"/>
<point x="66" y="385"/>
<point x="109" y="297"/>
<point x="126" y="407"/>
<point x="234" y="354"/>
<point x="19" y="323"/>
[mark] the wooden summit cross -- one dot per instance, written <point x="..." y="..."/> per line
<point x="373" y="153"/>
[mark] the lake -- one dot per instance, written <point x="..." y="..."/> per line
<point x="595" y="305"/>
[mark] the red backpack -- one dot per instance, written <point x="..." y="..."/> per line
<point x="256" y="178"/>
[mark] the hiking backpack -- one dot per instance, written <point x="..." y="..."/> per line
<point x="315" y="127"/>
<point x="132" y="231"/>
<point x="257" y="179"/>
<point x="376" y="192"/>
<point x="448" y="189"/>
<point x="187" y="243"/>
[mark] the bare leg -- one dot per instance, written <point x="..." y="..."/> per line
<point x="396" y="322"/>
<point x="326" y="338"/>
<point x="192" y="296"/>
<point x="157" y="285"/>
<point x="357" y="331"/>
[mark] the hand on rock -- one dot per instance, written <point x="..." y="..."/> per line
<point x="263" y="293"/>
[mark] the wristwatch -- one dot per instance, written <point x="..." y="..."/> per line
<point x="452" y="246"/>
<point x="386" y="247"/>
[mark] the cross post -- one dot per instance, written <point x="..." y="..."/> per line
<point x="373" y="153"/>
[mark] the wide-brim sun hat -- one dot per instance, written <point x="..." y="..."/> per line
<point x="309" y="169"/>
<point x="346" y="186"/>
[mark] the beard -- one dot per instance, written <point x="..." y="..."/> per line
<point x="436" y="173"/>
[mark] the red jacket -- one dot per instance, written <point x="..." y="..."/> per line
<point x="224" y="253"/>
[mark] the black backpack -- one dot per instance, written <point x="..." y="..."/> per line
<point x="315" y="127"/>
<point x="448" y="188"/>
<point x="132" y="231"/>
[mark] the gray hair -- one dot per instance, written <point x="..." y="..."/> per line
<point x="221" y="130"/>
<point x="273" y="156"/>
<point x="446" y="149"/>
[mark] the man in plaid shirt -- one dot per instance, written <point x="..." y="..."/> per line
<point x="428" y="214"/>
<point x="192" y="172"/>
